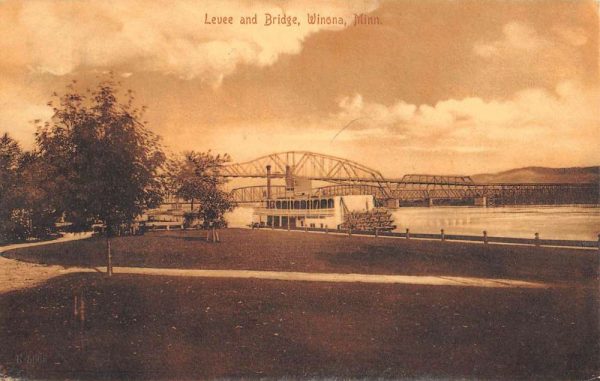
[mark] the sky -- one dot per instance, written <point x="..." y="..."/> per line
<point x="440" y="87"/>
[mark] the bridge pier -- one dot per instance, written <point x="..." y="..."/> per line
<point x="480" y="201"/>
<point x="392" y="203"/>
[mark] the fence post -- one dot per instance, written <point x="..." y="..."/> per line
<point x="537" y="239"/>
<point x="485" y="238"/>
<point x="326" y="229"/>
<point x="407" y="233"/>
<point x="443" y="236"/>
<point x="349" y="232"/>
<point x="376" y="232"/>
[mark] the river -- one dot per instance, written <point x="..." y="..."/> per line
<point x="551" y="222"/>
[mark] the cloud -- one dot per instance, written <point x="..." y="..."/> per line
<point x="571" y="35"/>
<point x="516" y="37"/>
<point x="355" y="107"/>
<point x="524" y="56"/>
<point x="521" y="38"/>
<point x="61" y="37"/>
<point x="534" y="122"/>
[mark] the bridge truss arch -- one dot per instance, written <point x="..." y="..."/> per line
<point x="307" y="165"/>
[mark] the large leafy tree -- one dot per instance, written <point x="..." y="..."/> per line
<point x="196" y="178"/>
<point x="104" y="161"/>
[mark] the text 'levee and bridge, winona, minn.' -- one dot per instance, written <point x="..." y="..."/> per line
<point x="269" y="19"/>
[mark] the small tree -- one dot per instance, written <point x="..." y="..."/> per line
<point x="10" y="155"/>
<point x="10" y="158"/>
<point x="195" y="178"/>
<point x="35" y="192"/>
<point x="23" y="211"/>
<point x="104" y="160"/>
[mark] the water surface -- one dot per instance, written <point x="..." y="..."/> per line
<point x="551" y="222"/>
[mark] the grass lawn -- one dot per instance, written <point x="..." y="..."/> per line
<point x="298" y="251"/>
<point x="142" y="327"/>
<point x="181" y="328"/>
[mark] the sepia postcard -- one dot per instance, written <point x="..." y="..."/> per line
<point x="299" y="190"/>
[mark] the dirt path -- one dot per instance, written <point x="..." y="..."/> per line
<point x="15" y="275"/>
<point x="65" y="238"/>
<point x="336" y="278"/>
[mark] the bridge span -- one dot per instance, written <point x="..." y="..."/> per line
<point x="346" y="177"/>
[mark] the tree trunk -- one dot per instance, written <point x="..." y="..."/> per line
<point x="108" y="255"/>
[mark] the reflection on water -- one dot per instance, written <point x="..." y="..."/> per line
<point x="241" y="217"/>
<point x="552" y="222"/>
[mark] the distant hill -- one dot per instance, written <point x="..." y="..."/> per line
<point x="542" y="175"/>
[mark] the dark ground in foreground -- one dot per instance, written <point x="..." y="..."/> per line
<point x="298" y="251"/>
<point x="161" y="327"/>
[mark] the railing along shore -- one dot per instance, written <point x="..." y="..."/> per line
<point x="442" y="236"/>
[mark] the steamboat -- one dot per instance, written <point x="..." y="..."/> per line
<point x="300" y="208"/>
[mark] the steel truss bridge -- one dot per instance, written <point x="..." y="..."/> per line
<point x="350" y="178"/>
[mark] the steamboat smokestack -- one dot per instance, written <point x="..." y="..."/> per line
<point x="268" y="182"/>
<point x="289" y="180"/>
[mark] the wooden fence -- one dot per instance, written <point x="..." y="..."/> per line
<point x="442" y="236"/>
